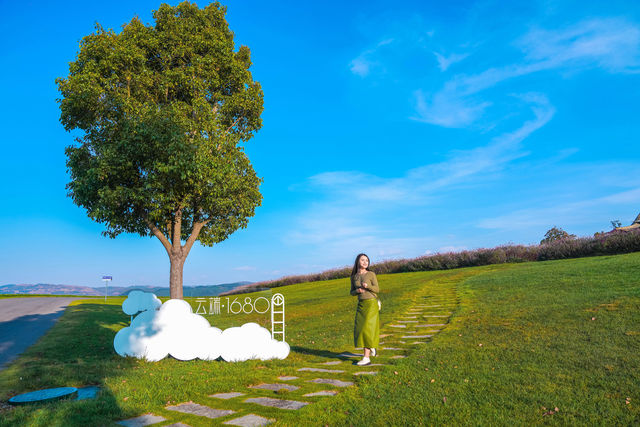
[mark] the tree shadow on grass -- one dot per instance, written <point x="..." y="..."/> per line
<point x="77" y="351"/>
<point x="18" y="334"/>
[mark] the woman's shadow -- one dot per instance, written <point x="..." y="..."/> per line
<point x="345" y="355"/>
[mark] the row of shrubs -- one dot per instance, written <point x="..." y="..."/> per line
<point x="617" y="242"/>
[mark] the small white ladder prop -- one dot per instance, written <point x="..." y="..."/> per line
<point x="277" y="315"/>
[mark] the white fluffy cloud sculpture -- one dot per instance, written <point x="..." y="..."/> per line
<point x="251" y="341"/>
<point x="175" y="330"/>
<point x="138" y="301"/>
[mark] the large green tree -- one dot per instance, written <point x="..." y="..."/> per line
<point x="164" y="110"/>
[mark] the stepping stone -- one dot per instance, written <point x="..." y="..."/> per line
<point x="225" y="396"/>
<point x="331" y="381"/>
<point x="177" y="425"/>
<point x="335" y="362"/>
<point x="142" y="420"/>
<point x="392" y="348"/>
<point x="419" y="342"/>
<point x="435" y="315"/>
<point x="409" y="317"/>
<point x="427" y="326"/>
<point x="201" y="410"/>
<point x="275" y="387"/>
<point x="417" y="336"/>
<point x="328" y="371"/>
<point x="432" y="324"/>
<point x="397" y="326"/>
<point x="385" y="335"/>
<point x="250" y="420"/>
<point x="376" y="364"/>
<point x="398" y="356"/>
<point x="277" y="403"/>
<point x="366" y="372"/>
<point x="289" y="378"/>
<point x="408" y="321"/>
<point x="322" y="393"/>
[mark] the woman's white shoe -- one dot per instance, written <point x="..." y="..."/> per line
<point x="364" y="361"/>
<point x="374" y="353"/>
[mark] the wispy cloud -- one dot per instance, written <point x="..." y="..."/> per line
<point x="611" y="44"/>
<point x="418" y="185"/>
<point x="361" y="210"/>
<point x="363" y="63"/>
<point x="571" y="213"/>
<point x="444" y="62"/>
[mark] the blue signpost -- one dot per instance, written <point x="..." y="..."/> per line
<point x="106" y="280"/>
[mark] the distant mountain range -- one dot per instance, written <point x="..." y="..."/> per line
<point x="49" y="289"/>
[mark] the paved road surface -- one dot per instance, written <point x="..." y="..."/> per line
<point x="24" y="320"/>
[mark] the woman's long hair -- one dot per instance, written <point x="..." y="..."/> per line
<point x="356" y="267"/>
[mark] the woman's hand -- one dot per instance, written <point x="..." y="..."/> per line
<point x="360" y="291"/>
<point x="364" y="285"/>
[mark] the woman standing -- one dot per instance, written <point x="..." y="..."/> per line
<point x="364" y="284"/>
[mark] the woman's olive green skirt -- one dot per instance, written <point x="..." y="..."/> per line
<point x="366" y="332"/>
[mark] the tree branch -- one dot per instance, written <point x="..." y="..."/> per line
<point x="232" y="125"/>
<point x="163" y="239"/>
<point x="194" y="235"/>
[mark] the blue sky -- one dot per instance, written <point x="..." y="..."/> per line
<point x="394" y="128"/>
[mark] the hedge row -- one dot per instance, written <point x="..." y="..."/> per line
<point x="612" y="243"/>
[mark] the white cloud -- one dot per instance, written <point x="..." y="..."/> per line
<point x="245" y="268"/>
<point x="418" y="184"/>
<point x="446" y="108"/>
<point x="572" y="213"/>
<point x="444" y="62"/>
<point x="175" y="330"/>
<point x="360" y="66"/>
<point x="363" y="63"/>
<point x="611" y="44"/>
<point x="364" y="212"/>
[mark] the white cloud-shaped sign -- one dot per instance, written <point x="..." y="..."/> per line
<point x="175" y="330"/>
<point x="138" y="301"/>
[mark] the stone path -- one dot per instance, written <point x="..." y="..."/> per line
<point x="201" y="410"/>
<point x="277" y="403"/>
<point x="403" y="335"/>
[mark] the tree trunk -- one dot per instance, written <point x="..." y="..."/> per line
<point x="175" y="276"/>
<point x="177" y="253"/>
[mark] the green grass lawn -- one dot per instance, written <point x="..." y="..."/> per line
<point x="521" y="338"/>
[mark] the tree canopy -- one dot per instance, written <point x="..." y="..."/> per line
<point x="556" y="233"/>
<point x="164" y="111"/>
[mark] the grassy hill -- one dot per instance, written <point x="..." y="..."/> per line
<point x="521" y="341"/>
